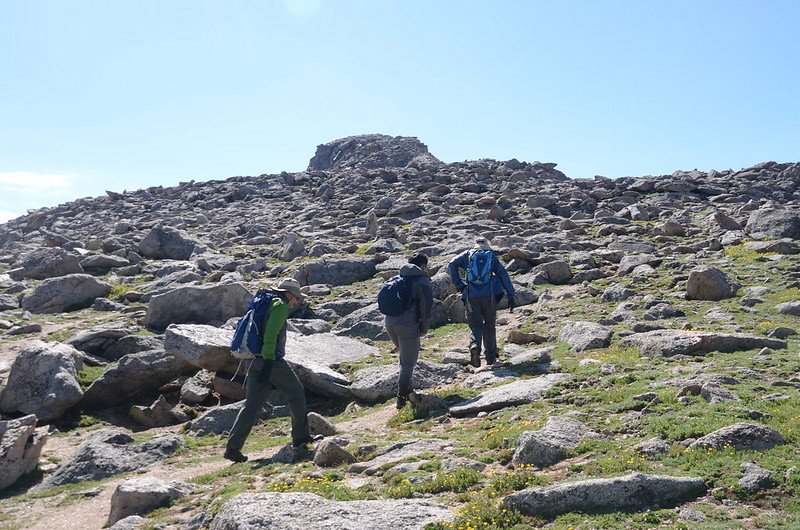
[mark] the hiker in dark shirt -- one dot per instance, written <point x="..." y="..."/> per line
<point x="272" y="371"/>
<point x="482" y="281"/>
<point x="406" y="329"/>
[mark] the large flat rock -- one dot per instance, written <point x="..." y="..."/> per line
<point x="315" y="357"/>
<point x="310" y="356"/>
<point x="107" y="453"/>
<point x="319" y="378"/>
<point x="380" y="382"/>
<point x="200" y="345"/>
<point x="197" y="305"/>
<point x="326" y="349"/>
<point x="582" y="335"/>
<point x="668" y="342"/>
<point x="301" y="511"/>
<point x="57" y="295"/>
<point x="512" y="394"/>
<point x="398" y="452"/>
<point x="631" y="492"/>
<point x="209" y="347"/>
<point x="335" y="271"/>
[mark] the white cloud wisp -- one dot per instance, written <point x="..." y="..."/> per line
<point x="23" y="190"/>
<point x="32" y="182"/>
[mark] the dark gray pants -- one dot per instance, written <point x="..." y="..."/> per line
<point x="406" y="339"/>
<point x="259" y="383"/>
<point x="481" y="316"/>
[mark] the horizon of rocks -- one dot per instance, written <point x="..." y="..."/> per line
<point x="121" y="307"/>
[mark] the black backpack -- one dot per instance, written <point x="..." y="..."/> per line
<point x="395" y="296"/>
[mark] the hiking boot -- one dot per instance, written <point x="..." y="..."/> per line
<point x="475" y="355"/>
<point x="307" y="440"/>
<point x="401" y="401"/>
<point x="234" y="455"/>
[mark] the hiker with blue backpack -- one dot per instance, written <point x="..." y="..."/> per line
<point x="407" y="302"/>
<point x="260" y="339"/>
<point x="482" y="280"/>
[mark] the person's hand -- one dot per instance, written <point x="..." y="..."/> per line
<point x="512" y="303"/>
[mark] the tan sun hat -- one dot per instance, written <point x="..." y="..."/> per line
<point x="482" y="243"/>
<point x="290" y="285"/>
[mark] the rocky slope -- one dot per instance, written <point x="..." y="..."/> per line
<point x="650" y="375"/>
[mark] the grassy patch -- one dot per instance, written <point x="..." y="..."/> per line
<point x="456" y="481"/>
<point x="405" y="415"/>
<point x="782" y="295"/>
<point x="119" y="290"/>
<point x="90" y="374"/>
<point x="197" y="442"/>
<point x="622" y="521"/>
<point x="742" y="254"/>
<point x="60" y="335"/>
<point x="329" y="485"/>
<point x="218" y="475"/>
<point x="508" y="482"/>
<point x="487" y="513"/>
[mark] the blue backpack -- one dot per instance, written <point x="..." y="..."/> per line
<point x="248" y="338"/>
<point x="395" y="296"/>
<point x="479" y="270"/>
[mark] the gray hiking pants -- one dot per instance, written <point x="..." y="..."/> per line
<point x="259" y="383"/>
<point x="406" y="339"/>
<point x="481" y="316"/>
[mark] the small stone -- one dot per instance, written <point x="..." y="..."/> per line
<point x="330" y="454"/>
<point x="755" y="477"/>
<point x="652" y="447"/>
<point x="318" y="424"/>
<point x="691" y="516"/>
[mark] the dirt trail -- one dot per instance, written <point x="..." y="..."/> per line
<point x="91" y="512"/>
<point x="374" y="421"/>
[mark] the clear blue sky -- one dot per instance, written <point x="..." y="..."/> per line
<point x="118" y="94"/>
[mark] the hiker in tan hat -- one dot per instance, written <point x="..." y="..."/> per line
<point x="272" y="371"/>
<point x="483" y="281"/>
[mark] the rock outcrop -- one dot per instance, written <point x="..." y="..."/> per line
<point x="72" y="291"/>
<point x="139" y="496"/>
<point x="631" y="492"/>
<point x="43" y="381"/>
<point x="107" y="453"/>
<point x="20" y="448"/>
<point x="370" y="151"/>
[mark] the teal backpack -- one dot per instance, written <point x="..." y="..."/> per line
<point x="479" y="269"/>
